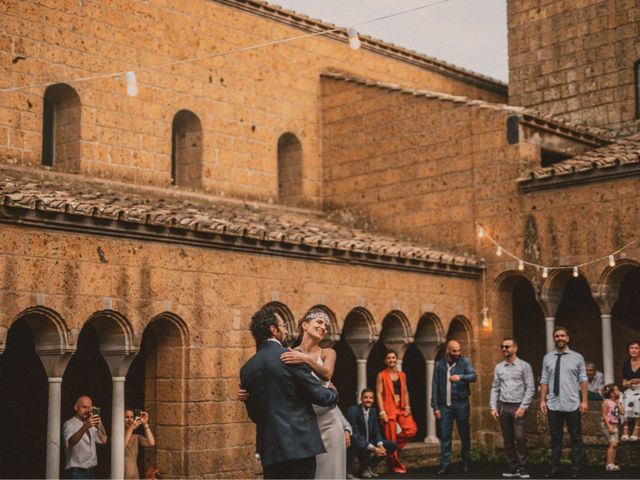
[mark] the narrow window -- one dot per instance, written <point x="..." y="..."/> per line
<point x="290" y="170"/>
<point x="186" y="150"/>
<point x="61" y="115"/>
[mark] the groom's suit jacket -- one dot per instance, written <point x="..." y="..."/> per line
<point x="279" y="403"/>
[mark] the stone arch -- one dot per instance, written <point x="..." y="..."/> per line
<point x="61" y="125"/>
<point x="157" y="382"/>
<point x="429" y="335"/>
<point x="186" y="150"/>
<point x="460" y="329"/>
<point x="359" y="331"/>
<point x="395" y="335"/>
<point x="38" y="347"/>
<point x="290" y="171"/>
<point x="517" y="304"/>
<point x="285" y="313"/>
<point x="579" y="312"/>
<point x="607" y="290"/>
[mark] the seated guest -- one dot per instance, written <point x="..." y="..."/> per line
<point x="595" y="381"/>
<point x="367" y="442"/>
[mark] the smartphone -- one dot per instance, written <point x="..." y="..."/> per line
<point x="95" y="411"/>
<point x="137" y="413"/>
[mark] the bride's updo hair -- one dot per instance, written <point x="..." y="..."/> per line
<point x="313" y="314"/>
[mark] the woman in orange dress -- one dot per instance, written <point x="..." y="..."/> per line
<point x="395" y="411"/>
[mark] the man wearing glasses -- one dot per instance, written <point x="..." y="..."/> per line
<point x="511" y="394"/>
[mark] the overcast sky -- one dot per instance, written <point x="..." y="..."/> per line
<point x="468" y="33"/>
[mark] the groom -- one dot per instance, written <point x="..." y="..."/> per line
<point x="279" y="403"/>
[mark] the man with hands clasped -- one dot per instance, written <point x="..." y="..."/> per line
<point x="563" y="380"/>
<point x="81" y="433"/>
<point x="511" y="394"/>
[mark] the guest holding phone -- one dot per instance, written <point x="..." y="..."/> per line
<point x="133" y="419"/>
<point x="81" y="433"/>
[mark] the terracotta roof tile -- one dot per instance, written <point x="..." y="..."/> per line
<point x="622" y="153"/>
<point x="63" y="193"/>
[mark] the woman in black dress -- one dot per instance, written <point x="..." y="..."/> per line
<point x="631" y="396"/>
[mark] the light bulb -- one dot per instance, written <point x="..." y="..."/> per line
<point x="520" y="265"/>
<point x="480" y="232"/>
<point x="132" y="84"/>
<point x="575" y="272"/>
<point x="545" y="272"/>
<point x="612" y="261"/>
<point x="485" y="318"/>
<point x="354" y="40"/>
<point x="499" y="251"/>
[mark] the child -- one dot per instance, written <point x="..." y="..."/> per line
<point x="611" y="411"/>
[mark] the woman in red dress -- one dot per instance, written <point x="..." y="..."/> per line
<point x="395" y="411"/>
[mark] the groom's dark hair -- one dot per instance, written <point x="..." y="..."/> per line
<point x="260" y="323"/>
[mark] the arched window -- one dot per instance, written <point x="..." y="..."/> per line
<point x="636" y="69"/>
<point x="289" y="169"/>
<point x="61" y="128"/>
<point x="186" y="150"/>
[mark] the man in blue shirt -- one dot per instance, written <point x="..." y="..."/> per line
<point x="450" y="400"/>
<point x="563" y="380"/>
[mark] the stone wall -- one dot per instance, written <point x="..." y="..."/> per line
<point x="244" y="101"/>
<point x="575" y="59"/>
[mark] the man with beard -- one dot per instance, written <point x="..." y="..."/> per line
<point x="563" y="380"/>
<point x="511" y="394"/>
<point x="81" y="433"/>
<point x="450" y="401"/>
<point x="278" y="401"/>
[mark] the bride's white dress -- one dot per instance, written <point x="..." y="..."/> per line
<point x="333" y="464"/>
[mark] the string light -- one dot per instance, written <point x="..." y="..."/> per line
<point x="485" y="316"/>
<point x="500" y="250"/>
<point x="132" y="83"/>
<point x="354" y="40"/>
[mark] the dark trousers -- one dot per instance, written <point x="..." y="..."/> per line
<point x="515" y="441"/>
<point x="82" y="473"/>
<point x="365" y="458"/>
<point x="301" y="468"/>
<point x="556" y="424"/>
<point x="458" y="411"/>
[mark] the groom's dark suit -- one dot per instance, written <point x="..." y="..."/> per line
<point x="279" y="403"/>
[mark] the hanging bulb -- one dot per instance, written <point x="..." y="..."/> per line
<point x="354" y="40"/>
<point x="485" y="317"/>
<point x="480" y="232"/>
<point x="575" y="272"/>
<point x="132" y="84"/>
<point x="520" y="265"/>
<point x="545" y="272"/>
<point x="612" y="261"/>
<point x="499" y="251"/>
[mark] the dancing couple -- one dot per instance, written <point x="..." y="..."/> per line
<point x="288" y="395"/>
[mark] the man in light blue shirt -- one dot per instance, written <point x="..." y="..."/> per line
<point x="563" y="379"/>
<point x="511" y="394"/>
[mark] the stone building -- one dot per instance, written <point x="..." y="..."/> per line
<point x="139" y="234"/>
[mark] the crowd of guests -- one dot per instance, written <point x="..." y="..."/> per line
<point x="286" y="389"/>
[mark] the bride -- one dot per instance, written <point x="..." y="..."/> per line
<point x="313" y="328"/>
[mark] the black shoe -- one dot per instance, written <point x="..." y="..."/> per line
<point x="443" y="471"/>
<point x="553" y="473"/>
<point x="465" y="468"/>
<point x="511" y="474"/>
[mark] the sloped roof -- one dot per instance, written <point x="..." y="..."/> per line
<point x="533" y="117"/>
<point x="213" y="221"/>
<point x="305" y="22"/>
<point x="616" y="160"/>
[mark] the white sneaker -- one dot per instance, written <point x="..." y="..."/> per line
<point x="365" y="474"/>
<point x="372" y="473"/>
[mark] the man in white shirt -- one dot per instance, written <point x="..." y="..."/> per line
<point x="81" y="433"/>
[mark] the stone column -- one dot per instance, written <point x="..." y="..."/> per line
<point x="53" y="428"/>
<point x="117" y="428"/>
<point x="361" y="376"/>
<point x="607" y="348"/>
<point x="550" y="324"/>
<point x="431" y="420"/>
